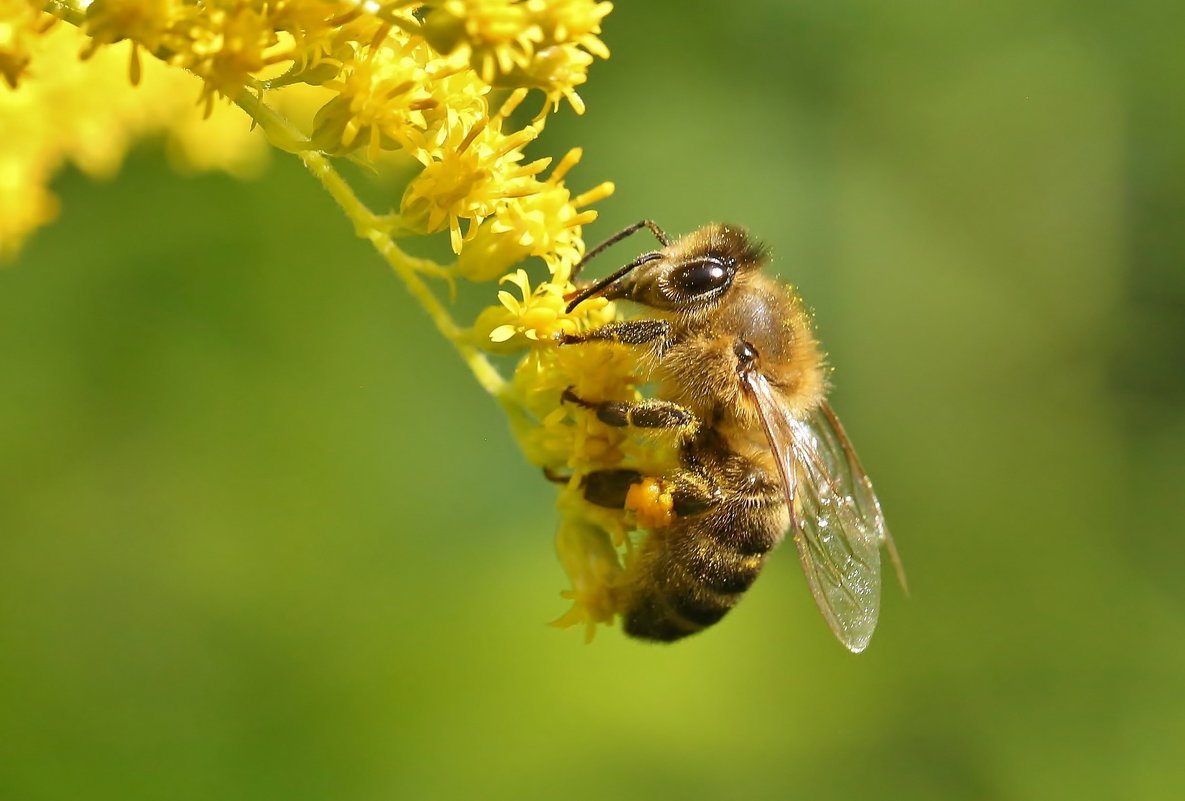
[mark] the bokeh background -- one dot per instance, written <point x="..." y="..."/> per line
<point x="262" y="537"/>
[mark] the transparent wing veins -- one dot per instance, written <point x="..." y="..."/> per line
<point x="836" y="520"/>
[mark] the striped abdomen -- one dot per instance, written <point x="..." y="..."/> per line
<point x="690" y="573"/>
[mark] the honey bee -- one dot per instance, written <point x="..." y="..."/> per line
<point x="741" y="381"/>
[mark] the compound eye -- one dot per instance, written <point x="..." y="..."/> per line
<point x="701" y="277"/>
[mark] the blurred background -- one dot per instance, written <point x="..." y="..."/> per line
<point x="262" y="536"/>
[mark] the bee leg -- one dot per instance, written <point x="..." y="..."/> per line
<point x="691" y="492"/>
<point x="639" y="414"/>
<point x="625" y="332"/>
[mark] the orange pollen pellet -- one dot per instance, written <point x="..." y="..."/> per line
<point x="651" y="502"/>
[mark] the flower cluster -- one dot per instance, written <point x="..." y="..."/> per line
<point x="435" y="85"/>
<point x="390" y="76"/>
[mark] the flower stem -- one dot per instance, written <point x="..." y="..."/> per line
<point x="65" y="11"/>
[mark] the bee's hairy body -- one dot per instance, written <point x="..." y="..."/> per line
<point x="730" y="510"/>
<point x="741" y="383"/>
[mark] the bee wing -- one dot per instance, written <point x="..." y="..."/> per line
<point x="835" y="518"/>
<point x="827" y="426"/>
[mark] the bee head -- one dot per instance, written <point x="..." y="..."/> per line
<point x="691" y="275"/>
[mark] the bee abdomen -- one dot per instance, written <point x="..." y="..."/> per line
<point x="666" y="618"/>
<point x="650" y="618"/>
<point x="693" y="582"/>
<point x="754" y="541"/>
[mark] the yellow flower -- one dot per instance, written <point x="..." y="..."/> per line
<point x="557" y="71"/>
<point x="145" y="23"/>
<point x="392" y="86"/>
<point x="469" y="178"/>
<point x="25" y="202"/>
<point x="500" y="34"/>
<point x="20" y="25"/>
<point x="539" y="315"/>
<point x="226" y="47"/>
<point x="548" y="223"/>
<point x="574" y="21"/>
<point x="545" y="223"/>
<point x="544" y="44"/>
<point x="399" y="95"/>
<point x="591" y="562"/>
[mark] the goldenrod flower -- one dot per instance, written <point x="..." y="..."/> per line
<point x="433" y="81"/>
<point x="534" y="43"/>
<point x="500" y="34"/>
<point x="21" y="24"/>
<point x="591" y="562"/>
<point x="145" y="22"/>
<point x="398" y="95"/>
<point x="557" y="71"/>
<point x="545" y="223"/>
<point x="468" y="178"/>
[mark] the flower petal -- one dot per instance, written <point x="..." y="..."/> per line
<point x="502" y="333"/>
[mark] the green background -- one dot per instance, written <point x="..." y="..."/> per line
<point x="262" y="537"/>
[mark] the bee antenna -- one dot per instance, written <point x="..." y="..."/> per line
<point x="600" y="286"/>
<point x="659" y="234"/>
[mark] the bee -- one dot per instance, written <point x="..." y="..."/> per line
<point x="741" y="381"/>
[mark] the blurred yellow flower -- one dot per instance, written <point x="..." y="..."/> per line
<point x="591" y="562"/>
<point x="86" y="113"/>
